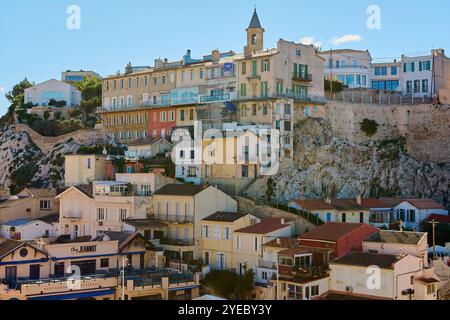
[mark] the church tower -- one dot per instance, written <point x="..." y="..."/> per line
<point x="255" y="36"/>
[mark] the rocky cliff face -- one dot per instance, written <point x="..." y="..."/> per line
<point x="22" y="162"/>
<point x="328" y="166"/>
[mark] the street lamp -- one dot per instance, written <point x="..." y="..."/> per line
<point x="122" y="275"/>
<point x="434" y="223"/>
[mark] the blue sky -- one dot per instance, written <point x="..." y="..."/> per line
<point x="36" y="44"/>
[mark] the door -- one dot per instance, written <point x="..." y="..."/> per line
<point x="10" y="275"/>
<point x="361" y="217"/>
<point x="142" y="261"/>
<point x="35" y="272"/>
<point x="344" y="217"/>
<point x="207" y="258"/>
<point x="59" y="270"/>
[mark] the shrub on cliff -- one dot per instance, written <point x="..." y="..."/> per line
<point x="369" y="127"/>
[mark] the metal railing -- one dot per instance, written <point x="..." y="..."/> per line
<point x="306" y="77"/>
<point x="181" y="218"/>
<point x="223" y="97"/>
<point x="267" y="264"/>
<point x="177" y="242"/>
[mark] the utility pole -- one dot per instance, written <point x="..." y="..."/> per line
<point x="331" y="83"/>
<point x="434" y="223"/>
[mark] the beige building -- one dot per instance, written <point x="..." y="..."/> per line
<point x="249" y="241"/>
<point x="177" y="214"/>
<point x="386" y="76"/>
<point x="84" y="169"/>
<point x="30" y="203"/>
<point x="217" y="244"/>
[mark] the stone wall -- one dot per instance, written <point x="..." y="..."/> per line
<point x="263" y="212"/>
<point x="46" y="144"/>
<point x="425" y="127"/>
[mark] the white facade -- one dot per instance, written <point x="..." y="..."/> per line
<point x="417" y="73"/>
<point x="41" y="94"/>
<point x="27" y="231"/>
<point x="411" y="216"/>
<point x="350" y="67"/>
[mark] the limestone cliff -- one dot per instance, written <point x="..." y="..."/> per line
<point x="325" y="165"/>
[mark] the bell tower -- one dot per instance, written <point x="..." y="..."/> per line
<point x="255" y="36"/>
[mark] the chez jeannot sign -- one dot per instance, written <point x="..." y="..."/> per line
<point x="83" y="249"/>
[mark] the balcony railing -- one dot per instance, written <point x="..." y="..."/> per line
<point x="177" y="242"/>
<point x="267" y="264"/>
<point x="223" y="97"/>
<point x="352" y="66"/>
<point x="303" y="78"/>
<point x="290" y="95"/>
<point x="173" y="218"/>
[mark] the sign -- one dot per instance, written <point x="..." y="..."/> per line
<point x="84" y="249"/>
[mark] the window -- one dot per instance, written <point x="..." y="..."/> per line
<point x="394" y="71"/>
<point x="344" y="217"/>
<point x="416" y="86"/>
<point x="172" y="77"/>
<point x="191" y="114"/>
<point x="265" y="65"/>
<point x="255" y="244"/>
<point x="226" y="233"/>
<point x="163" y="79"/>
<point x="238" y="243"/>
<point x="243" y="89"/>
<point x="409" y="87"/>
<point x="264" y="275"/>
<point x="265" y="110"/>
<point x="201" y="73"/>
<point x="155" y="80"/>
<point x="172" y="116"/>
<point x="287" y="109"/>
<point x="314" y="291"/>
<point x="243" y="110"/>
<point x="409" y="67"/>
<point x="121" y="83"/>
<point x="295" y="292"/>
<point x="298" y="52"/>
<point x="431" y="289"/>
<point x="254" y="68"/>
<point x="101" y="214"/>
<point x="192" y="74"/>
<point x="328" y="217"/>
<point x="412" y="216"/>
<point x="137" y="82"/>
<point x="254" y="109"/>
<point x="244" y="171"/>
<point x="182" y="115"/>
<point x="205" y="232"/>
<point x="216" y="233"/>
<point x="88" y="165"/>
<point x="45" y="204"/>
<point x="361" y="217"/>
<point x="425" y="86"/>
<point x="104" y="263"/>
<point x="287" y="126"/>
<point x="123" y="214"/>
<point x="244" y="67"/>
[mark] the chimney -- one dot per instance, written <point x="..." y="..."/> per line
<point x="359" y="200"/>
<point x="327" y="200"/>
<point x="283" y="221"/>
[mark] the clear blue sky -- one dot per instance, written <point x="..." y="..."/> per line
<point x="36" y="44"/>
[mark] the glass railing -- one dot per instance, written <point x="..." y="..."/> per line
<point x="174" y="218"/>
<point x="223" y="97"/>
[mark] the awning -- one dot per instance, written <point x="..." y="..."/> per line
<point x="75" y="295"/>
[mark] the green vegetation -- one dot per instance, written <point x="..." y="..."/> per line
<point x="271" y="187"/>
<point x="230" y="285"/>
<point x="21" y="177"/>
<point x="442" y="233"/>
<point x="16" y="97"/>
<point x="369" y="127"/>
<point x="337" y="86"/>
<point x="91" y="95"/>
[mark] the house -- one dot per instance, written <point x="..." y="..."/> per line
<point x="413" y="211"/>
<point x="400" y="277"/>
<point x="334" y="210"/>
<point x="249" y="241"/>
<point x="148" y="148"/>
<point x="30" y="203"/>
<point x="348" y="66"/>
<point x="84" y="169"/>
<point x="425" y="75"/>
<point x="386" y="76"/>
<point x="26" y="229"/>
<point x="341" y="238"/>
<point x="178" y="211"/>
<point x="42" y="94"/>
<point x="398" y="242"/>
<point x="218" y="235"/>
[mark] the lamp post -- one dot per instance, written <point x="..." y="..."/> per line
<point x="434" y="223"/>
<point x="122" y="275"/>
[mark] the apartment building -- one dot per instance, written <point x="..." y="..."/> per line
<point x="218" y="235"/>
<point x="71" y="76"/>
<point x="176" y="220"/>
<point x="350" y="67"/>
<point x="386" y="76"/>
<point x="425" y="75"/>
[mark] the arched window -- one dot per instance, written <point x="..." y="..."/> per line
<point x="254" y="39"/>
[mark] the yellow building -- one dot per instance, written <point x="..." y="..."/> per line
<point x="218" y="236"/>
<point x="30" y="203"/>
<point x="83" y="169"/>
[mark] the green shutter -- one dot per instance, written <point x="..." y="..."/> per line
<point x="413" y="65"/>
<point x="420" y="65"/>
<point x="306" y="72"/>
<point x="404" y="67"/>
<point x="295" y="70"/>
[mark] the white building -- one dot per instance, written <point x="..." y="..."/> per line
<point x="426" y="75"/>
<point x="348" y="66"/>
<point x="41" y="94"/>
<point x="27" y="229"/>
<point x="386" y="76"/>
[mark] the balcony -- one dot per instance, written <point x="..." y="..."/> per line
<point x="170" y="218"/>
<point x="305" y="272"/>
<point x="303" y="78"/>
<point x="223" y="97"/>
<point x="177" y="242"/>
<point x="160" y="279"/>
<point x="72" y="215"/>
<point x="267" y="264"/>
<point x="290" y="95"/>
<point x="353" y="66"/>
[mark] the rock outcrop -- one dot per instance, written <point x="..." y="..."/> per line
<point x="327" y="166"/>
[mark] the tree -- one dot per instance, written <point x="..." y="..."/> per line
<point x="16" y="97"/>
<point x="271" y="186"/>
<point x="91" y="95"/>
<point x="230" y="285"/>
<point x="337" y="86"/>
<point x="369" y="127"/>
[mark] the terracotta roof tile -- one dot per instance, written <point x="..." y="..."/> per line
<point x="332" y="231"/>
<point x="181" y="190"/>
<point x="367" y="259"/>
<point x="265" y="226"/>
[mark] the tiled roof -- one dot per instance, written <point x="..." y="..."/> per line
<point x="50" y="218"/>
<point x="346" y="204"/>
<point x="314" y="204"/>
<point x="383" y="261"/>
<point x="6" y="246"/>
<point x="87" y="189"/>
<point x="124" y="238"/>
<point x="265" y="226"/>
<point x="145" y="142"/>
<point x="425" y="203"/>
<point x="380" y="203"/>
<point x="438" y="218"/>
<point x="388" y="236"/>
<point x="331" y="231"/>
<point x="225" y="217"/>
<point x="42" y="193"/>
<point x="180" y="190"/>
<point x="283" y="242"/>
<point x="255" y="23"/>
